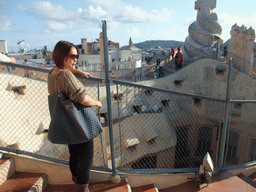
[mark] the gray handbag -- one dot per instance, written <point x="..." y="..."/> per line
<point x="71" y="123"/>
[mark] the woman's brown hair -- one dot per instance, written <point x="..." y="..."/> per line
<point x="61" y="51"/>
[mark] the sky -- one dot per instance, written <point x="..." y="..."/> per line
<point x="42" y="23"/>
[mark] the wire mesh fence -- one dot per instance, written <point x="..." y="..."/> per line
<point x="153" y="128"/>
<point x="241" y="139"/>
<point x="25" y="114"/>
<point x="160" y="129"/>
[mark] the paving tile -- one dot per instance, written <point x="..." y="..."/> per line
<point x="20" y="182"/>
<point x="145" y="188"/>
<point x="247" y="180"/>
<point x="2" y="161"/>
<point x="61" y="188"/>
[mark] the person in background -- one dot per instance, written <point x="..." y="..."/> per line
<point x="26" y="71"/>
<point x="178" y="59"/>
<point x="65" y="56"/>
<point x="5" y="58"/>
<point x="172" y="53"/>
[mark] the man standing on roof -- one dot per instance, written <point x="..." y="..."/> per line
<point x="172" y="53"/>
<point x="26" y="71"/>
<point x="178" y="59"/>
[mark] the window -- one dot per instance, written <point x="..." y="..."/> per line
<point x="137" y="108"/>
<point x="178" y="83"/>
<point x="105" y="116"/>
<point x="165" y="103"/>
<point x="237" y="106"/>
<point x="204" y="141"/>
<point x="149" y="92"/>
<point x="197" y="101"/>
<point x="181" y="149"/>
<point x="220" y="70"/>
<point x="231" y="149"/>
<point x="118" y="97"/>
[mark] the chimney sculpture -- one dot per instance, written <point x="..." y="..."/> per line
<point x="204" y="34"/>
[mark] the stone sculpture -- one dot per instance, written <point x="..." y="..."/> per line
<point x="204" y="34"/>
<point x="240" y="48"/>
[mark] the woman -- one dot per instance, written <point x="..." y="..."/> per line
<point x="65" y="56"/>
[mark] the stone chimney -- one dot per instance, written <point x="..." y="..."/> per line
<point x="240" y="48"/>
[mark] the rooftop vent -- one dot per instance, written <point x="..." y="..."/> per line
<point x="178" y="81"/>
<point x="118" y="97"/>
<point x="220" y="70"/>
<point x="150" y="134"/>
<point x="130" y="140"/>
<point x="17" y="88"/>
<point x="149" y="92"/>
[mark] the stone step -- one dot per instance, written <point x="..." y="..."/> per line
<point x="253" y="177"/>
<point x="25" y="181"/>
<point x="247" y="180"/>
<point x="145" y="188"/>
<point x="221" y="181"/>
<point x="61" y="188"/>
<point x="106" y="186"/>
<point x="7" y="168"/>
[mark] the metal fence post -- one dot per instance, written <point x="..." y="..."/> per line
<point x="226" y="117"/>
<point x="107" y="75"/>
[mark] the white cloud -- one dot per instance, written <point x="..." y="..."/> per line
<point x="5" y="22"/>
<point x="134" y="32"/>
<point x="227" y="21"/>
<point x="45" y="10"/>
<point x="94" y="14"/>
<point x="56" y="26"/>
<point x="55" y="17"/>
<point x="226" y="18"/>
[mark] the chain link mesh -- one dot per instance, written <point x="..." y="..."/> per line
<point x="153" y="128"/>
<point x="158" y="130"/>
<point x="25" y="114"/>
<point x="241" y="139"/>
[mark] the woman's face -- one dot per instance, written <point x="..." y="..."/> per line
<point x="71" y="59"/>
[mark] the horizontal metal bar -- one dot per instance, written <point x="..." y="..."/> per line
<point x="245" y="165"/>
<point x="184" y="170"/>
<point x="26" y="67"/>
<point x="44" y="70"/>
<point x="166" y="91"/>
<point x="242" y="101"/>
<point x="47" y="158"/>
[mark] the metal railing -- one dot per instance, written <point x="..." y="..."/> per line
<point x="146" y="129"/>
<point x="153" y="129"/>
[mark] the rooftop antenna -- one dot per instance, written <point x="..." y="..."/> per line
<point x="20" y="43"/>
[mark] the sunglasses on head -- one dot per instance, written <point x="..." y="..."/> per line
<point x="73" y="56"/>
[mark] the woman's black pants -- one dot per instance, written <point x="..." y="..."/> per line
<point x="80" y="162"/>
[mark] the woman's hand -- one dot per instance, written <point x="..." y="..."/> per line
<point x="85" y="74"/>
<point x="99" y="104"/>
<point x="89" y="101"/>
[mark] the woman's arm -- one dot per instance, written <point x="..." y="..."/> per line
<point x="88" y="101"/>
<point x="75" y="90"/>
<point x="77" y="71"/>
